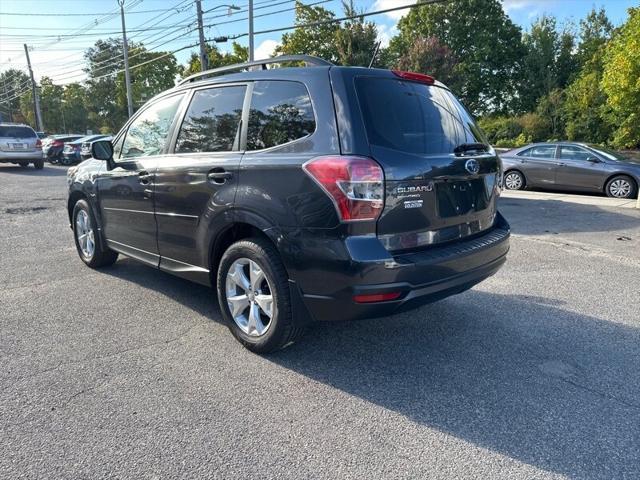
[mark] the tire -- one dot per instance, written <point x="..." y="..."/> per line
<point x="23" y="164"/>
<point x="67" y="162"/>
<point x="271" y="333"/>
<point x="39" y="164"/>
<point x="95" y="257"/>
<point x="621" y="186"/>
<point x="514" y="180"/>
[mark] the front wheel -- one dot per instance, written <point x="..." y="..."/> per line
<point x="514" y="180"/>
<point x="621" y="186"/>
<point x="254" y="298"/>
<point x="85" y="233"/>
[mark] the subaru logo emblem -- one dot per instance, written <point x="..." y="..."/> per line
<point x="472" y="166"/>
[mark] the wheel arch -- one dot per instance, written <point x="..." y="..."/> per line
<point x="620" y="174"/>
<point x="516" y="169"/>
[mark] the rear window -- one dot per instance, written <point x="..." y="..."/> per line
<point x="413" y="117"/>
<point x="280" y="113"/>
<point x="10" y="131"/>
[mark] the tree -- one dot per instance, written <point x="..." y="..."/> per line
<point x="485" y="41"/>
<point x="51" y="105"/>
<point x="621" y="81"/>
<point x="595" y="31"/>
<point x="428" y="55"/>
<point x="356" y="39"/>
<point x="549" y="62"/>
<point x="13" y="83"/>
<point x="238" y="54"/>
<point x="74" y="108"/>
<point x="317" y="40"/>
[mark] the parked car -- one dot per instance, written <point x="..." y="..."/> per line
<point x="72" y="151"/>
<point x="20" y="145"/>
<point x="85" y="149"/>
<point x="571" y="166"/>
<point x="303" y="194"/>
<point x="53" y="146"/>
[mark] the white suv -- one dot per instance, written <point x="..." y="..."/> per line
<point x="21" y="145"/>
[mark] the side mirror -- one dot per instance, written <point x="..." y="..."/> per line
<point x="102" y="150"/>
<point x="594" y="160"/>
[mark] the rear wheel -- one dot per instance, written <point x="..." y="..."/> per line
<point x="621" y="186"/>
<point x="253" y="293"/>
<point x="66" y="161"/>
<point x="85" y="233"/>
<point x="514" y="180"/>
<point x="39" y="164"/>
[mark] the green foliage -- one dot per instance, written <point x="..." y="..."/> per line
<point x="12" y="83"/>
<point x="485" y="41"/>
<point x="238" y="54"/>
<point x="356" y="39"/>
<point x="621" y="81"/>
<point x="428" y="55"/>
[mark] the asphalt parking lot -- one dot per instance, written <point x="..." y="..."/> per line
<point x="128" y="372"/>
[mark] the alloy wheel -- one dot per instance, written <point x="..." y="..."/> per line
<point x="249" y="297"/>
<point x="84" y="234"/>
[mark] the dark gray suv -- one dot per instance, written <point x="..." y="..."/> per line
<point x="302" y="194"/>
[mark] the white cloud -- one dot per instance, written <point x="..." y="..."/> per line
<point x="396" y="14"/>
<point x="386" y="33"/>
<point x="265" y="49"/>
<point x="510" y="5"/>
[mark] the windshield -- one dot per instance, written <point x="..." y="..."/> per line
<point x="413" y="117"/>
<point x="10" y="131"/>
<point x="607" y="153"/>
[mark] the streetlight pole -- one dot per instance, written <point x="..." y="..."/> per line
<point x="36" y="98"/>
<point x="125" y="48"/>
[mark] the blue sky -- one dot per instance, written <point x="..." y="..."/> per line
<point x="61" y="58"/>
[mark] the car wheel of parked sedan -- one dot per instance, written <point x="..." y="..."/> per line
<point x="38" y="164"/>
<point x="514" y="180"/>
<point x="66" y="161"/>
<point x="85" y="233"/>
<point x="621" y="186"/>
<point x="253" y="293"/>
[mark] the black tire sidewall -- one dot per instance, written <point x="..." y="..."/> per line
<point x="38" y="164"/>
<point x="632" y="193"/>
<point x="257" y="251"/>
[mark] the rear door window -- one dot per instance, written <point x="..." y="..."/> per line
<point x="280" y="113"/>
<point x="543" y="151"/>
<point x="12" y="131"/>
<point x="413" y="117"/>
<point x="148" y="133"/>
<point x="211" y="123"/>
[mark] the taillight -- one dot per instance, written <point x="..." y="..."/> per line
<point x="376" y="297"/>
<point x="56" y="143"/>
<point x="416" y="77"/>
<point x="38" y="143"/>
<point x="355" y="184"/>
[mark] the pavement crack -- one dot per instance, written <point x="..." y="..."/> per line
<point x="606" y="396"/>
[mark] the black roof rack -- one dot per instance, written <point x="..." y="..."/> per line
<point x="308" y="60"/>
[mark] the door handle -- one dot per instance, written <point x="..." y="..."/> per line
<point x="219" y="176"/>
<point x="561" y="164"/>
<point x="144" y="178"/>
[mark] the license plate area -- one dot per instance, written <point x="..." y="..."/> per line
<point x="461" y="197"/>
<point x="18" y="146"/>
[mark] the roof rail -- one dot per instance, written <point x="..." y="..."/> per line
<point x="308" y="60"/>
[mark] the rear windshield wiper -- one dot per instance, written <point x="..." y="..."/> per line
<point x="470" y="147"/>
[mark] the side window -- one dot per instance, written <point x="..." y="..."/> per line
<point x="148" y="133"/>
<point x="525" y="153"/>
<point x="568" y="152"/>
<point x="117" y="147"/>
<point x="280" y="113"/>
<point x="543" y="151"/>
<point x="211" y="123"/>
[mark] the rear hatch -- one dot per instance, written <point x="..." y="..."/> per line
<point x="17" y="138"/>
<point x="441" y="177"/>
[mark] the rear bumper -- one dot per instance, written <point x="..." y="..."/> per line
<point x="420" y="277"/>
<point x="10" y="157"/>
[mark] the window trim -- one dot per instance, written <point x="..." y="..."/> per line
<point x="123" y="132"/>
<point x="182" y="113"/>
<point x="245" y="123"/>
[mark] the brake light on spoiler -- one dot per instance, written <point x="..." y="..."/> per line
<point x="415" y="77"/>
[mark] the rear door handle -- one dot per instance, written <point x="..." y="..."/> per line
<point x="561" y="164"/>
<point x="219" y="176"/>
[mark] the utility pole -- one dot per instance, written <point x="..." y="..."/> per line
<point x="251" y="30"/>
<point x="6" y="95"/>
<point x="204" y="60"/>
<point x="125" y="48"/>
<point x="36" y="99"/>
